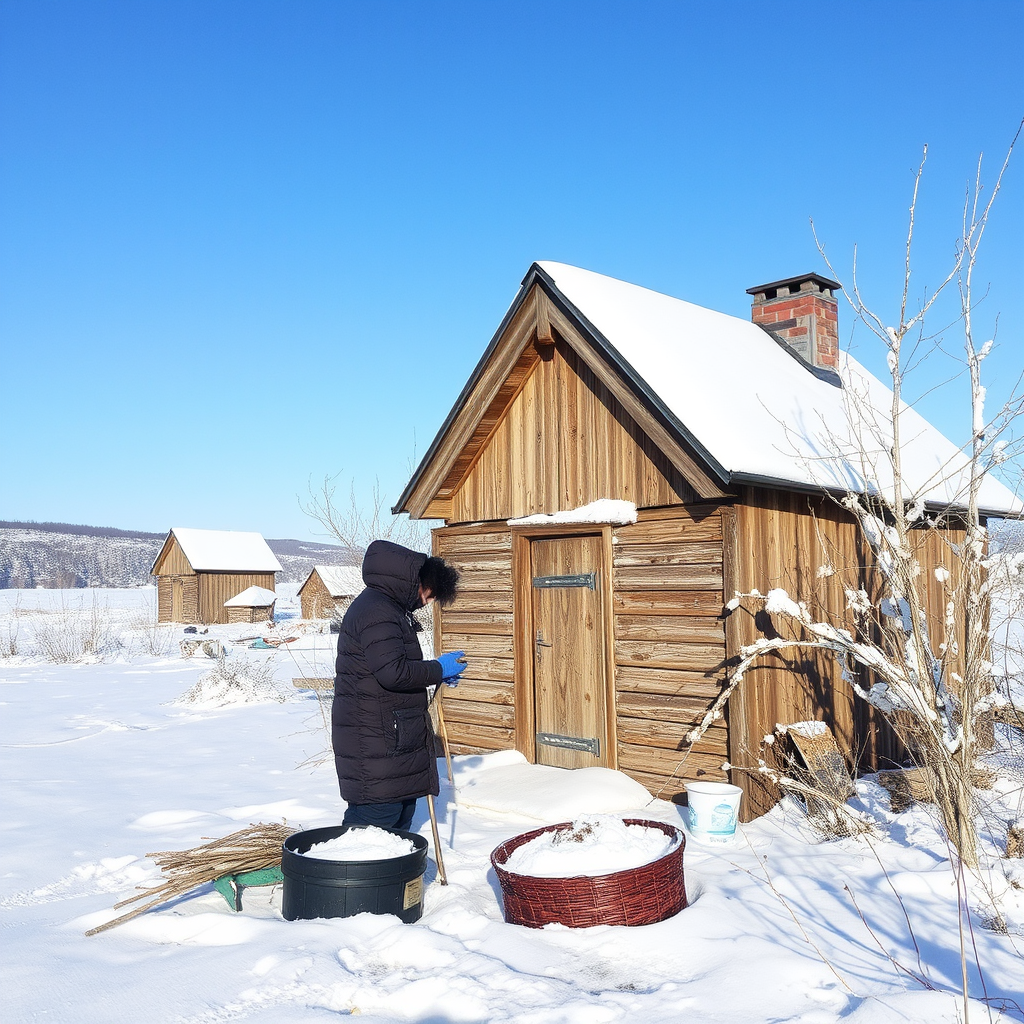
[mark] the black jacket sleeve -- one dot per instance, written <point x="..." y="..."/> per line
<point x="387" y="657"/>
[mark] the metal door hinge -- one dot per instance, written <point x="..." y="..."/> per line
<point x="590" y="744"/>
<point x="582" y="579"/>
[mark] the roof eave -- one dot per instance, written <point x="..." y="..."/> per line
<point x="778" y="483"/>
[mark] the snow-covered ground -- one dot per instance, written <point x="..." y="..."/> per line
<point x="103" y="762"/>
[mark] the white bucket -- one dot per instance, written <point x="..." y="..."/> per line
<point x="714" y="808"/>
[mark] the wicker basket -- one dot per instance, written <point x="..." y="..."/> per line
<point x="643" y="895"/>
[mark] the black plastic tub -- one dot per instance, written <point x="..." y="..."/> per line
<point x="339" y="888"/>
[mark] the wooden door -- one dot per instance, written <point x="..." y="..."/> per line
<point x="569" y="586"/>
<point x="177" y="600"/>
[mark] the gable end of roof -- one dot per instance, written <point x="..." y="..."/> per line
<point x="537" y="275"/>
<point x="635" y="381"/>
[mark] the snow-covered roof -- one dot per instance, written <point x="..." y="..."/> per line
<point x="340" y="580"/>
<point x="252" y="597"/>
<point x="226" y="551"/>
<point x="758" y="414"/>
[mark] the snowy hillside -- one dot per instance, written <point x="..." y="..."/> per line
<point x="40" y="558"/>
<point x="57" y="555"/>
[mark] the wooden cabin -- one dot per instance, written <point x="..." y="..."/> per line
<point x="603" y="642"/>
<point x="198" y="570"/>
<point x="329" y="590"/>
<point x="254" y="604"/>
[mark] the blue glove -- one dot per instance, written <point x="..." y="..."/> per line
<point x="452" y="666"/>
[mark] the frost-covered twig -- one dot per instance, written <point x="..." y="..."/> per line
<point x="354" y="524"/>
<point x="919" y="978"/>
<point x="796" y="920"/>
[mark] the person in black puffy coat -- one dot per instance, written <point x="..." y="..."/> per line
<point x="380" y="726"/>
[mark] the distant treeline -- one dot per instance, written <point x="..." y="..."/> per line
<point x="80" y="531"/>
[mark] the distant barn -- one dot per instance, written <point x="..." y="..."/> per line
<point x="254" y="604"/>
<point x="198" y="570"/>
<point x="328" y="590"/>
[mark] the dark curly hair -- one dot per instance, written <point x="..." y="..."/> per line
<point x="441" y="579"/>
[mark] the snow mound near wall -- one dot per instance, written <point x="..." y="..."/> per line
<point x="507" y="784"/>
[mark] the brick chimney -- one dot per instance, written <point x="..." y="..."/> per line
<point x="802" y="311"/>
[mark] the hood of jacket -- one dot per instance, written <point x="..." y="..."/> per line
<point x="394" y="571"/>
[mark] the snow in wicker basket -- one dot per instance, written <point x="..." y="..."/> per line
<point x="639" y="895"/>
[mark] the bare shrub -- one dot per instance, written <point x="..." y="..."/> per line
<point x="239" y="681"/>
<point x="156" y="639"/>
<point x="320" y="727"/>
<point x="354" y="525"/>
<point x="69" y="634"/>
<point x="823" y="793"/>
<point x="10" y="629"/>
<point x="934" y="690"/>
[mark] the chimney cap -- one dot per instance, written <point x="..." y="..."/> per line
<point x="771" y="289"/>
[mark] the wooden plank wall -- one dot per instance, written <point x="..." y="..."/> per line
<point x="250" y="614"/>
<point x="315" y="599"/>
<point x="813" y="549"/>
<point x="479" y="711"/>
<point x="669" y="642"/>
<point x="163" y="599"/>
<point x="510" y="365"/>
<point x="669" y="645"/>
<point x="172" y="564"/>
<point x="189" y="598"/>
<point x="564" y="441"/>
<point x="217" y="587"/>
<point x="933" y="549"/>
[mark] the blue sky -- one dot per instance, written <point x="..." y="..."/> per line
<point x="247" y="244"/>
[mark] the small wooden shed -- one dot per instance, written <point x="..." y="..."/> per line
<point x="198" y="570"/>
<point x="602" y="642"/>
<point x="329" y="589"/>
<point x="254" y="604"/>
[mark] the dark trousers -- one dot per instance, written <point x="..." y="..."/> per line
<point x="397" y="815"/>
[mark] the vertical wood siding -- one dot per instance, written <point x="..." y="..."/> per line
<point x="190" y="598"/>
<point x="173" y="572"/>
<point x="163" y="599"/>
<point x="217" y="587"/>
<point x="814" y="550"/>
<point x="563" y="442"/>
<point x="172" y="560"/>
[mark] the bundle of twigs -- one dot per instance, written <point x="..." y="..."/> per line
<point x="252" y="848"/>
